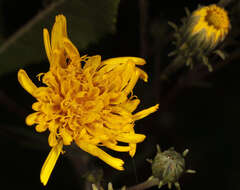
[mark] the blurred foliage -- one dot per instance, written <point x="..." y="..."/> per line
<point x="89" y="21"/>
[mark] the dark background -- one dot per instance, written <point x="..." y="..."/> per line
<point x="203" y="119"/>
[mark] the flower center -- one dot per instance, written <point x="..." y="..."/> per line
<point x="217" y="17"/>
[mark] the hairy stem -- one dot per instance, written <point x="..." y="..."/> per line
<point x="145" y="185"/>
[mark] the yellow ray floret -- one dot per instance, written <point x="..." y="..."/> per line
<point x="85" y="100"/>
<point x="50" y="163"/>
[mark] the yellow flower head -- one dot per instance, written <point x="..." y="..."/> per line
<point x="85" y="100"/>
<point x="211" y="23"/>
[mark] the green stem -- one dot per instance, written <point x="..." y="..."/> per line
<point x="145" y="185"/>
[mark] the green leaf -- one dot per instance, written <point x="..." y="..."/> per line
<point x="88" y="21"/>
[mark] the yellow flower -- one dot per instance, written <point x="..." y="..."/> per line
<point x="211" y="23"/>
<point x="85" y="100"/>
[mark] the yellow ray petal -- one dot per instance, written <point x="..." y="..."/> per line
<point x="143" y="75"/>
<point x="26" y="82"/>
<point x="66" y="136"/>
<point x="116" y="147"/>
<point x="55" y="60"/>
<point x="52" y="140"/>
<point x="63" y="27"/>
<point x="50" y="162"/>
<point x="126" y="74"/>
<point x="36" y="106"/>
<point x="133" y="147"/>
<point x="130" y="137"/>
<point x="145" y="112"/>
<point x="118" y="60"/>
<point x="130" y="105"/>
<point x="92" y="64"/>
<point x="71" y="50"/>
<point x="41" y="127"/>
<point x="132" y="82"/>
<point x="47" y="44"/>
<point x="95" y="151"/>
<point x="59" y="31"/>
<point x="32" y="118"/>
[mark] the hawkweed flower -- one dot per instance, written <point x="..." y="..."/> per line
<point x="85" y="100"/>
<point x="209" y="25"/>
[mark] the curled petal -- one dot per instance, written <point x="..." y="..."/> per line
<point x="142" y="74"/>
<point x="116" y="147"/>
<point x="145" y="112"/>
<point x="71" y="50"/>
<point x="132" y="82"/>
<point x="95" y="151"/>
<point x="131" y="105"/>
<point x="32" y="118"/>
<point x="66" y="136"/>
<point x="52" y="140"/>
<point x="126" y="75"/>
<point x="133" y="147"/>
<point x="26" y="82"/>
<point x="41" y="127"/>
<point x="50" y="162"/>
<point x="121" y="112"/>
<point x="37" y="106"/>
<point x="118" y="60"/>
<point x="92" y="63"/>
<point x="130" y="137"/>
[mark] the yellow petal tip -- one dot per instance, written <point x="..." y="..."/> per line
<point x="50" y="162"/>
<point x="145" y="112"/>
<point x="26" y="82"/>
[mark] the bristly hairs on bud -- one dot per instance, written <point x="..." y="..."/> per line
<point x="168" y="166"/>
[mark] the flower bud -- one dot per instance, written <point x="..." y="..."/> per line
<point x="207" y="26"/>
